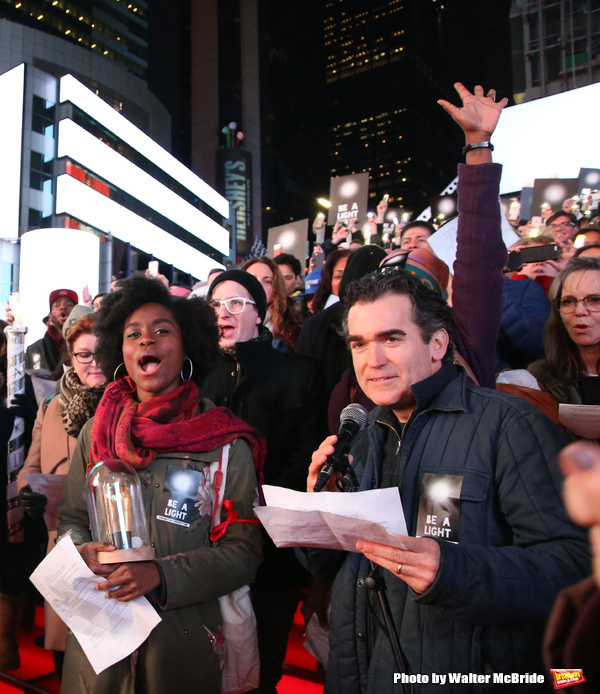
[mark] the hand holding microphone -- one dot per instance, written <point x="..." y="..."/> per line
<point x="332" y="455"/>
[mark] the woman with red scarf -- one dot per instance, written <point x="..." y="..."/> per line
<point x="158" y="348"/>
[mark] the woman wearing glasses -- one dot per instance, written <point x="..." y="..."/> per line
<point x="571" y="367"/>
<point x="59" y="421"/>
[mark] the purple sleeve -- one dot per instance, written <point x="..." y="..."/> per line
<point x="480" y="259"/>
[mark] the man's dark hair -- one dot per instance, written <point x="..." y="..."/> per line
<point x="431" y="313"/>
<point x="195" y="317"/>
<point x="425" y="225"/>
<point x="561" y="213"/>
<point x="291" y="260"/>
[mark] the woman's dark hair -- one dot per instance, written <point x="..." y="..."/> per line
<point x="431" y="312"/>
<point x="563" y="360"/>
<point x="195" y="317"/>
<point x="324" y="288"/>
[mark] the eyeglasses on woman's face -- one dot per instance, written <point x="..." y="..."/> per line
<point x="568" y="304"/>
<point x="85" y="357"/>
<point x="234" y="305"/>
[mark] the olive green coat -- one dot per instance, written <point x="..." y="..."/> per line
<point x="183" y="652"/>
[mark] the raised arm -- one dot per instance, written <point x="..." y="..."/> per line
<point x="481" y="253"/>
<point x="478" y="117"/>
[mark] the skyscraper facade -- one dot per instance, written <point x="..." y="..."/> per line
<point x="384" y="73"/>
<point x="556" y="46"/>
<point x="89" y="142"/>
<point x="116" y="29"/>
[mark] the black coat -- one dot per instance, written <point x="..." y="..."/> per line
<point x="279" y="394"/>
<point x="319" y="339"/>
<point x="282" y="396"/>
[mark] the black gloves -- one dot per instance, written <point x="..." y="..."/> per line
<point x="32" y="502"/>
<point x="22" y="406"/>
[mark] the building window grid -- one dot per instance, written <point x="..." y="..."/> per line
<point x="67" y="27"/>
<point x="556" y="49"/>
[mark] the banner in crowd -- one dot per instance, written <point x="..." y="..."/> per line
<point x="552" y="194"/>
<point x="289" y="238"/>
<point x="348" y="196"/>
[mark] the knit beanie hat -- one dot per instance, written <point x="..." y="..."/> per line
<point x="425" y="266"/>
<point x="249" y="282"/>
<point x="361" y="262"/>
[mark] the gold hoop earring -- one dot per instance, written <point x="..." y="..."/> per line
<point x="118" y="367"/>
<point x="191" y="371"/>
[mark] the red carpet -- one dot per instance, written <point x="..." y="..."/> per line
<point x="37" y="668"/>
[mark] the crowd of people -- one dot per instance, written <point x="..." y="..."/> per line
<point x="462" y="371"/>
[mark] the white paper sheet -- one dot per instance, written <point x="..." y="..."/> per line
<point x="107" y="630"/>
<point x="332" y="520"/>
<point x="443" y="241"/>
<point x="583" y="420"/>
<point x="51" y="486"/>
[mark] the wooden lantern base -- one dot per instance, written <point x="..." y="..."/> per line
<point x="126" y="555"/>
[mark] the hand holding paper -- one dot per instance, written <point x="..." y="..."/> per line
<point x="107" y="630"/>
<point x="332" y="520"/>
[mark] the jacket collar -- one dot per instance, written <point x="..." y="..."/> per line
<point x="444" y="391"/>
<point x="251" y="348"/>
<point x="439" y="392"/>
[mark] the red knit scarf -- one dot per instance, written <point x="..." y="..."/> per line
<point x="133" y="432"/>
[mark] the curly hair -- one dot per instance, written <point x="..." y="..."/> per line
<point x="195" y="317"/>
<point x="563" y="360"/>
<point x="283" y="312"/>
<point x="324" y="288"/>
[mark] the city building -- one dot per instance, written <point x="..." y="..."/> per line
<point x="84" y="147"/>
<point x="116" y="29"/>
<point x="383" y="66"/>
<point x="555" y="45"/>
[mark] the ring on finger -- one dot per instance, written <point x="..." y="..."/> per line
<point x="399" y="569"/>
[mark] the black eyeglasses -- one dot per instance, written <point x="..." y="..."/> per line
<point x="568" y="304"/>
<point x="84" y="357"/>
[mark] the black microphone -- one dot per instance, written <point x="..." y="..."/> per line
<point x="353" y="419"/>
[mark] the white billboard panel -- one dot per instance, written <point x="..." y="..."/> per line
<point x="78" y="144"/>
<point x="81" y="201"/>
<point x="551" y="137"/>
<point x="12" y="86"/>
<point x="72" y="90"/>
<point x="51" y="259"/>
